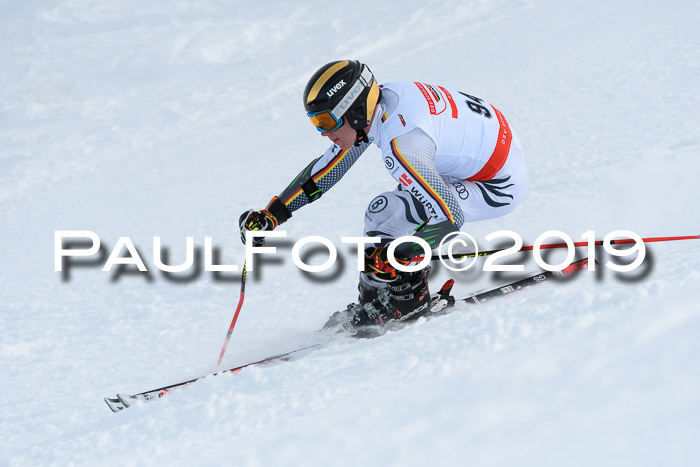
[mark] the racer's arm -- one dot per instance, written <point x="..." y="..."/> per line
<point x="414" y="154"/>
<point x="317" y="178"/>
<point x="320" y="176"/>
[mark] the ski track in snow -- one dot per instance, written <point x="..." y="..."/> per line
<point x="159" y="119"/>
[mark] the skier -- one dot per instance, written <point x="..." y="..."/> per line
<point x="454" y="155"/>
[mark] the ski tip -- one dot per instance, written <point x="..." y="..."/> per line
<point x="114" y="405"/>
<point x="126" y="399"/>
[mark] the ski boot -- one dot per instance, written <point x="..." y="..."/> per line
<point x="340" y="321"/>
<point x="404" y="299"/>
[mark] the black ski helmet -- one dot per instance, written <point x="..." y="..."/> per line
<point x="344" y="88"/>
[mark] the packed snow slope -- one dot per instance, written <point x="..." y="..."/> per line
<point x="169" y="119"/>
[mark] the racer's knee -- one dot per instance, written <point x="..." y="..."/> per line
<point x="388" y="216"/>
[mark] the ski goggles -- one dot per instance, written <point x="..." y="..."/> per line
<point x="325" y="120"/>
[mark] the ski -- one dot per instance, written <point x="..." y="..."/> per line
<point x="443" y="303"/>
<point x="530" y="281"/>
<point x="124" y="401"/>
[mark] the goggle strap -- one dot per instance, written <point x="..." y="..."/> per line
<point x="362" y="82"/>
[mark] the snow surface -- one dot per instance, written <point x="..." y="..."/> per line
<point x="168" y="119"/>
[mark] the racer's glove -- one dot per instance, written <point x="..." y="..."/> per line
<point x="377" y="265"/>
<point x="254" y="221"/>
<point x="269" y="218"/>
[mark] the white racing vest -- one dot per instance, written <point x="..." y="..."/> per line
<point x="471" y="137"/>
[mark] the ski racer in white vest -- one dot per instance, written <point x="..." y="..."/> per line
<point x="454" y="156"/>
